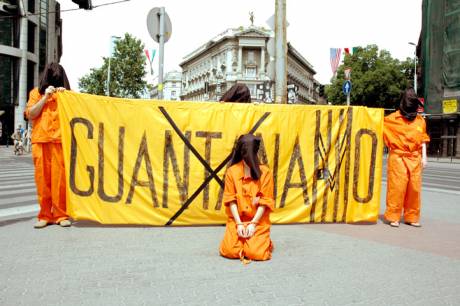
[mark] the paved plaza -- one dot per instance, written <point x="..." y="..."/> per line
<point x="313" y="264"/>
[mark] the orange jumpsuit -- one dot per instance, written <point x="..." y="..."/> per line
<point x="48" y="160"/>
<point x="404" y="139"/>
<point x="243" y="190"/>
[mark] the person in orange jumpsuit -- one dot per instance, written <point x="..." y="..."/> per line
<point x="47" y="153"/>
<point x="405" y="135"/>
<point x="248" y="198"/>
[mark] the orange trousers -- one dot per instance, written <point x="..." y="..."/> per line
<point x="404" y="181"/>
<point x="50" y="180"/>
<point x="258" y="247"/>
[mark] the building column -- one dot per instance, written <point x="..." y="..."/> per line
<point x="457" y="149"/>
<point x="240" y="62"/>
<point x="228" y="63"/>
<point x="262" y="62"/>
<point x="22" y="88"/>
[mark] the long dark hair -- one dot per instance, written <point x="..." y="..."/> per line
<point x="237" y="93"/>
<point x="53" y="75"/>
<point x="246" y="149"/>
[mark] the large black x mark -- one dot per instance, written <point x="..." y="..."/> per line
<point x="212" y="173"/>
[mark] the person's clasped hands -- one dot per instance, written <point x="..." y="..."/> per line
<point x="51" y="90"/>
<point x="246" y="231"/>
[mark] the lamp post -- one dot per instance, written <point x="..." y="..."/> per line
<point x="415" y="65"/>
<point x="113" y="39"/>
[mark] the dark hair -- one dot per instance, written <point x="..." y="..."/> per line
<point x="246" y="149"/>
<point x="237" y="93"/>
<point x="53" y="75"/>
<point x="409" y="103"/>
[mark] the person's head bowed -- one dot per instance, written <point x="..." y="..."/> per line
<point x="237" y="93"/>
<point x="409" y="103"/>
<point x="53" y="75"/>
<point x="246" y="150"/>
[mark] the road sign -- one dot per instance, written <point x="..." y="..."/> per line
<point x="153" y="24"/>
<point x="271" y="22"/>
<point x="347" y="73"/>
<point x="346" y="87"/>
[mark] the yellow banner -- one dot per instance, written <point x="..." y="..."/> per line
<point x="162" y="163"/>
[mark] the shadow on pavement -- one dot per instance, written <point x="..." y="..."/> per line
<point x="92" y="224"/>
<point x="18" y="220"/>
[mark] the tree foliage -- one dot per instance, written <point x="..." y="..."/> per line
<point x="377" y="78"/>
<point x="127" y="71"/>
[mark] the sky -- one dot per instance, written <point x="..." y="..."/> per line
<point x="314" y="27"/>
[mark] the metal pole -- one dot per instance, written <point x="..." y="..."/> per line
<point x="348" y="99"/>
<point x="23" y="46"/>
<point x="415" y="70"/>
<point x="108" y="77"/>
<point x="280" y="52"/>
<point x="415" y="65"/>
<point x="161" y="52"/>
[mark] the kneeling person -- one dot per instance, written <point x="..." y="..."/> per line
<point x="248" y="197"/>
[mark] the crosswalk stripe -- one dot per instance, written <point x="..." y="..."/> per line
<point x="6" y="187"/>
<point x="16" y="175"/>
<point x="428" y="187"/>
<point x="18" y="170"/>
<point x="18" y="191"/>
<point x="18" y="199"/>
<point x="18" y="210"/>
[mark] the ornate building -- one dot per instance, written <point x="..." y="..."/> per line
<point x="171" y="87"/>
<point x="243" y="55"/>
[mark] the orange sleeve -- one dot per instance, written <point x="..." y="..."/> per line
<point x="425" y="137"/>
<point x="34" y="97"/>
<point x="266" y="191"/>
<point x="387" y="133"/>
<point x="229" y="189"/>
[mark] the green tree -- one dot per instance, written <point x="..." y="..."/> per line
<point x="377" y="78"/>
<point x="127" y="71"/>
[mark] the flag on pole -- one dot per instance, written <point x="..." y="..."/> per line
<point x="347" y="51"/>
<point x="335" y="59"/>
<point x="146" y="51"/>
<point x="147" y="55"/>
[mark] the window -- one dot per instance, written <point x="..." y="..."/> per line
<point x="173" y="95"/>
<point x="252" y="89"/>
<point x="251" y="59"/>
<point x="251" y="72"/>
<point x="31" y="37"/>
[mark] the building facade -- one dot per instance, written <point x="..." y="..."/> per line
<point x="171" y="87"/>
<point x="438" y="52"/>
<point x="244" y="55"/>
<point x="30" y="37"/>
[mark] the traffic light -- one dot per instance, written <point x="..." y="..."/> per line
<point x="321" y="90"/>
<point x="84" y="4"/>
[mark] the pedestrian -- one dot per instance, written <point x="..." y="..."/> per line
<point x="405" y="136"/>
<point x="47" y="154"/>
<point x="17" y="142"/>
<point x="248" y="198"/>
<point x="21" y="130"/>
<point x="237" y="93"/>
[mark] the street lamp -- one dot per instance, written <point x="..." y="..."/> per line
<point x="415" y="65"/>
<point x="113" y="39"/>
